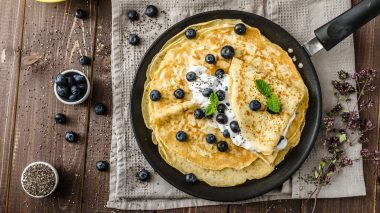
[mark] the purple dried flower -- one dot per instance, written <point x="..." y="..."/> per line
<point x="363" y="140"/>
<point x="353" y="121"/>
<point x="343" y="75"/>
<point x="328" y="123"/>
<point x="334" y="111"/>
<point x="365" y="153"/>
<point x="366" y="103"/>
<point x="344" y="88"/>
<point x="365" y="74"/>
<point x="346" y="161"/>
<point x="376" y="157"/>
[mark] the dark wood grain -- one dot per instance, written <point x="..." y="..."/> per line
<point x="99" y="135"/>
<point x="52" y="33"/>
<point x="204" y="209"/>
<point x="10" y="42"/>
<point x="269" y="206"/>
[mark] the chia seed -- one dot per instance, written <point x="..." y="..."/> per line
<point x="38" y="180"/>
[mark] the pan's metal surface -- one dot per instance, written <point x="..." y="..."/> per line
<point x="294" y="158"/>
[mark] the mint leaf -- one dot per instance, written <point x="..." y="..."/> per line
<point x="211" y="108"/>
<point x="273" y="103"/>
<point x="263" y="87"/>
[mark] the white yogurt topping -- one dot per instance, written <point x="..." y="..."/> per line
<point x="203" y="81"/>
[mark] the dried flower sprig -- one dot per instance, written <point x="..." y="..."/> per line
<point x="340" y="124"/>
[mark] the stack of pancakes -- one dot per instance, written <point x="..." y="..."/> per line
<point x="255" y="58"/>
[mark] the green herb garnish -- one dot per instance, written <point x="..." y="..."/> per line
<point x="211" y="108"/>
<point x="272" y="101"/>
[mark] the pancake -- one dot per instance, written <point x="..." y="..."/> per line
<point x="255" y="58"/>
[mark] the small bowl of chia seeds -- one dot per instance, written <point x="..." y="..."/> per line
<point x="71" y="87"/>
<point x="39" y="179"/>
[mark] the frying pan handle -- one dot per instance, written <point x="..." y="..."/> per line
<point x="344" y="25"/>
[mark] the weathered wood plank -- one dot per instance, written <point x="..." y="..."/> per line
<point x="10" y="42"/>
<point x="276" y="206"/>
<point x="52" y="33"/>
<point x="96" y="184"/>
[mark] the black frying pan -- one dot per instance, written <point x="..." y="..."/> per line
<point x="327" y="37"/>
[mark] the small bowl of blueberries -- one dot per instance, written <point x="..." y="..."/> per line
<point x="71" y="87"/>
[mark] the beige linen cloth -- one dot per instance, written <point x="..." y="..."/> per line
<point x="299" y="17"/>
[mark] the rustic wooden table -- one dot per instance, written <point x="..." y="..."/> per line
<point x="49" y="32"/>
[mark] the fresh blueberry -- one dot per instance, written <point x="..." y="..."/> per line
<point x="60" y="118"/>
<point x="133" y="15"/>
<point x="221" y="95"/>
<point x="63" y="91"/>
<point x="75" y="90"/>
<point x="219" y="73"/>
<point x="227" y="52"/>
<point x="199" y="114"/>
<point x="240" y="29"/>
<point x="191" y="76"/>
<point x="143" y="175"/>
<point x="190" y="178"/>
<point x="133" y="39"/>
<point x="181" y="136"/>
<point x="221" y="108"/>
<point x="226" y="133"/>
<point x="71" y="137"/>
<point x="82" y="88"/>
<point x="179" y="93"/>
<point x="210" y="58"/>
<point x="73" y="97"/>
<point x="100" y="109"/>
<point x="101" y="165"/>
<point x="84" y="60"/>
<point x="79" y="79"/>
<point x="61" y="80"/>
<point x="190" y="33"/>
<point x="70" y="80"/>
<point x="155" y="95"/>
<point x="222" y="146"/>
<point x="151" y="11"/>
<point x="235" y="126"/>
<point x="209" y="116"/>
<point x="81" y="14"/>
<point x="221" y="118"/>
<point x="207" y="92"/>
<point x="255" y="105"/>
<point x="210" y="138"/>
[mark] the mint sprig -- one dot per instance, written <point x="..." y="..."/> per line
<point x="212" y="106"/>
<point x="272" y="101"/>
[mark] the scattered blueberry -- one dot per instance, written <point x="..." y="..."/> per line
<point x="143" y="175"/>
<point x="207" y="92"/>
<point x="190" y="33"/>
<point x="222" y="146"/>
<point x="63" y="91"/>
<point x="100" y="109"/>
<point x="221" y="118"/>
<point x="190" y="178"/>
<point x="133" y="39"/>
<point x="179" y="93"/>
<point x="73" y="97"/>
<point x="75" y="90"/>
<point x="227" y="52"/>
<point x="199" y="114"/>
<point x="60" y="118"/>
<point x="210" y="138"/>
<point x="101" y="165"/>
<point x="191" y="76"/>
<point x="151" y="11"/>
<point x="181" y="136"/>
<point x="82" y="88"/>
<point x="240" y="29"/>
<point x="81" y="14"/>
<point x="155" y="95"/>
<point x="71" y="137"/>
<point x="133" y="15"/>
<point x="61" y="80"/>
<point x="255" y="105"/>
<point x="79" y="79"/>
<point x="226" y="133"/>
<point x="221" y="108"/>
<point x="210" y="58"/>
<point x="219" y="73"/>
<point x="221" y="95"/>
<point x="235" y="126"/>
<point x="84" y="60"/>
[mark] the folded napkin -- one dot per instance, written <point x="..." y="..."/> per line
<point x="299" y="17"/>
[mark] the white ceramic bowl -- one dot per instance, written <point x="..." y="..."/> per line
<point x="55" y="174"/>
<point x="80" y="100"/>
